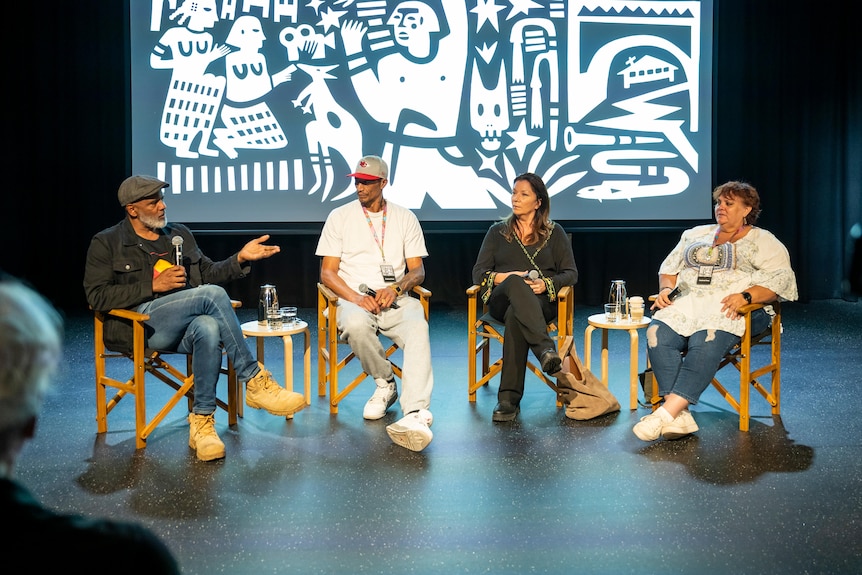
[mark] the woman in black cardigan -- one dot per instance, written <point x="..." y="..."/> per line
<point x="524" y="260"/>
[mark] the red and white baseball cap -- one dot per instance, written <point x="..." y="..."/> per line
<point x="370" y="168"/>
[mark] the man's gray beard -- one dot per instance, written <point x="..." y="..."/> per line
<point x="153" y="223"/>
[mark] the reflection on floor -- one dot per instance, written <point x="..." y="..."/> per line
<point x="544" y="494"/>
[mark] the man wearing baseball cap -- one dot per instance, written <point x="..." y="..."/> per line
<point x="372" y="252"/>
<point x="131" y="266"/>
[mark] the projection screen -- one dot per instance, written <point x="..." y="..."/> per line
<point x="256" y="110"/>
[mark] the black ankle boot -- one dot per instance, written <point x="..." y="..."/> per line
<point x="505" y="411"/>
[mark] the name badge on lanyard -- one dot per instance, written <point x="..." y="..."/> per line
<point x="388" y="272"/>
<point x="704" y="275"/>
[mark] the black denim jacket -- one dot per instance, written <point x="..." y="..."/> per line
<point x="119" y="273"/>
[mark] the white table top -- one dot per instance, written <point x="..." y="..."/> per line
<point x="598" y="320"/>
<point x="254" y="329"/>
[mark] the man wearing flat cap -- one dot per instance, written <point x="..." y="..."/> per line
<point x="131" y="266"/>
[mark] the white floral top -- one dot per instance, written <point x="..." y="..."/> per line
<point x="758" y="258"/>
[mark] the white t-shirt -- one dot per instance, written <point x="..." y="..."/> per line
<point x="347" y="235"/>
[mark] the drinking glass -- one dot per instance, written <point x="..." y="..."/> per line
<point x="612" y="312"/>
<point x="288" y="314"/>
<point x="273" y="318"/>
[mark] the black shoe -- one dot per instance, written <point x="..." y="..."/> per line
<point x="505" y="411"/>
<point x="551" y="362"/>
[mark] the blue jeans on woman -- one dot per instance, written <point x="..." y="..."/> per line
<point x="200" y="321"/>
<point x="688" y="376"/>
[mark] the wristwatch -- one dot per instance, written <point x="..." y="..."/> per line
<point x="398" y="291"/>
<point x="747" y="296"/>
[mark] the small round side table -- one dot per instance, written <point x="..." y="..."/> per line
<point x="286" y="333"/>
<point x="598" y="321"/>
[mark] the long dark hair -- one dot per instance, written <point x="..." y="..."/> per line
<point x="542" y="224"/>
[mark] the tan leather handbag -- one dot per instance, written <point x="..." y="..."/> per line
<point x="583" y="394"/>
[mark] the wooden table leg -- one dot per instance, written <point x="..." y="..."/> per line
<point x="288" y="362"/>
<point x="633" y="369"/>
<point x="288" y="365"/>
<point x="605" y="356"/>
<point x="306" y="362"/>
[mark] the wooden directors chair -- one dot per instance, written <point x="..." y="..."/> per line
<point x="146" y="361"/>
<point x="329" y="338"/>
<point x="482" y="329"/>
<point x="761" y="373"/>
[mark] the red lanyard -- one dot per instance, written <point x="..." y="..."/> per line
<point x="374" y="232"/>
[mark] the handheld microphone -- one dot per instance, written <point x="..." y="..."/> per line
<point x="178" y="249"/>
<point x="368" y="291"/>
<point x="679" y="290"/>
<point x="533" y="275"/>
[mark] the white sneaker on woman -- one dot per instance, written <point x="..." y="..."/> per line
<point x="684" y="424"/>
<point x="649" y="427"/>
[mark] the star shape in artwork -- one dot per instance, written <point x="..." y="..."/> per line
<point x="315" y="5"/>
<point x="488" y="163"/>
<point x="487" y="10"/>
<point x="520" y="139"/>
<point x="331" y="18"/>
<point x="305" y="109"/>
<point x="521" y="7"/>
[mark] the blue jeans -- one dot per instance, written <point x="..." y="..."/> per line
<point x="688" y="376"/>
<point x="200" y="321"/>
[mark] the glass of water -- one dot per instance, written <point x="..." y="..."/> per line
<point x="273" y="318"/>
<point x="288" y="315"/>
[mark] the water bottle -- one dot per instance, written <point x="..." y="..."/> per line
<point x="618" y="297"/>
<point x="268" y="300"/>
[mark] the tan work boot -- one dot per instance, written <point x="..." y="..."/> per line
<point x="263" y="392"/>
<point x="203" y="437"/>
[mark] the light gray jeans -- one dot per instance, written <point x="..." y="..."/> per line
<point x="406" y="326"/>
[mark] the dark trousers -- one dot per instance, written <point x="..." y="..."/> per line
<point x="526" y="316"/>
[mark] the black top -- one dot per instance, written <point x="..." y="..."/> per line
<point x="44" y="541"/>
<point x="555" y="260"/>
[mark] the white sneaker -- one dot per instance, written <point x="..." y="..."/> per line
<point x="413" y="431"/>
<point x="684" y="424"/>
<point x="649" y="427"/>
<point x="381" y="400"/>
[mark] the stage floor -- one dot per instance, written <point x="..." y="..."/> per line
<point x="326" y="494"/>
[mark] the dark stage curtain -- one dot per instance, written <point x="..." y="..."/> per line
<point x="787" y="119"/>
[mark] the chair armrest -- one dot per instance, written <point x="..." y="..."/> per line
<point x="331" y="297"/>
<point x="128" y="314"/>
<point x="327" y="293"/>
<point x="750" y="307"/>
<point x="421" y="292"/>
